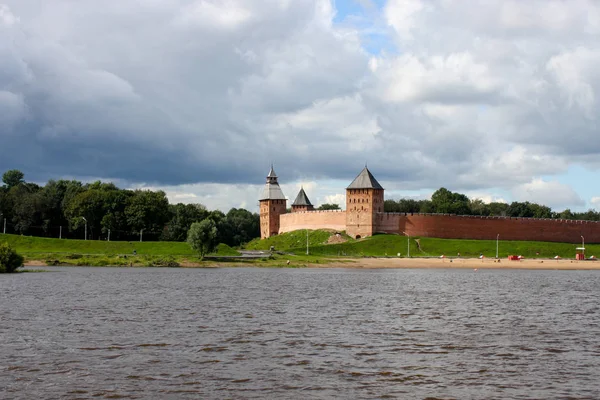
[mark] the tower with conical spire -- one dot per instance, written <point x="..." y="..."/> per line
<point x="364" y="199"/>
<point x="272" y="205"/>
<point x="302" y="203"/>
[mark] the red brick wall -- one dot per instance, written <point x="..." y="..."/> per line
<point x="465" y="227"/>
<point x="327" y="219"/>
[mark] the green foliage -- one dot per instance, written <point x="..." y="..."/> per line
<point x="9" y="259"/>
<point x="240" y="226"/>
<point x="183" y="216"/>
<point x="12" y="178"/>
<point x="202" y="236"/>
<point x="447" y="202"/>
<point x="328" y="206"/>
<point x="147" y="210"/>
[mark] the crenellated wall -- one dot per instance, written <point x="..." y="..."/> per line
<point x="475" y="227"/>
<point x="326" y="219"/>
<point x="453" y="226"/>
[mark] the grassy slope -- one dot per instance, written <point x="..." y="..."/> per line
<point x="295" y="242"/>
<point x="290" y="240"/>
<point x="390" y="245"/>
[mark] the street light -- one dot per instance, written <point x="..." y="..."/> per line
<point x="407" y="243"/>
<point x="141" y="231"/>
<point x="497" y="236"/>
<point x="85" y="235"/>
<point x="307" y="242"/>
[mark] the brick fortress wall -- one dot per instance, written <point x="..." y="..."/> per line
<point x="474" y="227"/>
<point x="329" y="219"/>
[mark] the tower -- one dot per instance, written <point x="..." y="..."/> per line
<point x="302" y="203"/>
<point x="364" y="199"/>
<point x="272" y="205"/>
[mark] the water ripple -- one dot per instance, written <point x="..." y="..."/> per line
<point x="288" y="334"/>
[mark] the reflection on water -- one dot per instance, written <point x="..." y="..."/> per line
<point x="299" y="334"/>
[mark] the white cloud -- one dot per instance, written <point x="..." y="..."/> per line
<point x="477" y="96"/>
<point x="554" y="194"/>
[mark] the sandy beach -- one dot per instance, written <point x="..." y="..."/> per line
<point x="467" y="263"/>
<point x="471" y="263"/>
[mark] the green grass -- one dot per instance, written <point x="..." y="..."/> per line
<point x="102" y="253"/>
<point x="391" y="245"/>
<point x="224" y="250"/>
<point x="291" y="240"/>
<point x="30" y="245"/>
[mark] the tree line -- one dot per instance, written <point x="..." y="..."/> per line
<point x="66" y="207"/>
<point x="443" y="201"/>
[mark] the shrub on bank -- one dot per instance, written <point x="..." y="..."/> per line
<point x="9" y="259"/>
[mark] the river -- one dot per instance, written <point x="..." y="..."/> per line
<point x="254" y="333"/>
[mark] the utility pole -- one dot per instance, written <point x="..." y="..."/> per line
<point x="407" y="244"/>
<point x="497" y="237"/>
<point x="141" y="231"/>
<point x="109" y="235"/>
<point x="60" y="232"/>
<point x="307" y="242"/>
<point x="85" y="236"/>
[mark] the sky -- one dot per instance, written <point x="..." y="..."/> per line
<point x="495" y="99"/>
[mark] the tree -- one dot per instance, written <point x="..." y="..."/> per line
<point x="202" y="236"/>
<point x="9" y="259"/>
<point x="478" y="207"/>
<point x="498" y="209"/>
<point x="520" y="209"/>
<point x="183" y="216"/>
<point x="147" y="210"/>
<point x="12" y="178"/>
<point x="328" y="206"/>
<point x="447" y="202"/>
<point x="242" y="226"/>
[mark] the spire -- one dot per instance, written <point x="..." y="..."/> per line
<point x="365" y="180"/>
<point x="272" y="191"/>
<point x="302" y="199"/>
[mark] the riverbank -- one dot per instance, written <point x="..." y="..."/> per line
<point x="465" y="263"/>
<point x="417" y="263"/>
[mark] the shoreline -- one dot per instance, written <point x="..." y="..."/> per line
<point x="401" y="263"/>
<point x="463" y="263"/>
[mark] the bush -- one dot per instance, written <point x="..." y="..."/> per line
<point x="9" y="259"/>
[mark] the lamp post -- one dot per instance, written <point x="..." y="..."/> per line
<point x="141" y="232"/>
<point x="407" y="244"/>
<point x="583" y="245"/>
<point x="85" y="235"/>
<point x="497" y="237"/>
<point x="307" y="242"/>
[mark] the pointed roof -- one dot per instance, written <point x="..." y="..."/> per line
<point x="272" y="191"/>
<point x="365" y="180"/>
<point x="302" y="199"/>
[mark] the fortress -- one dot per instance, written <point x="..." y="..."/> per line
<point x="364" y="216"/>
